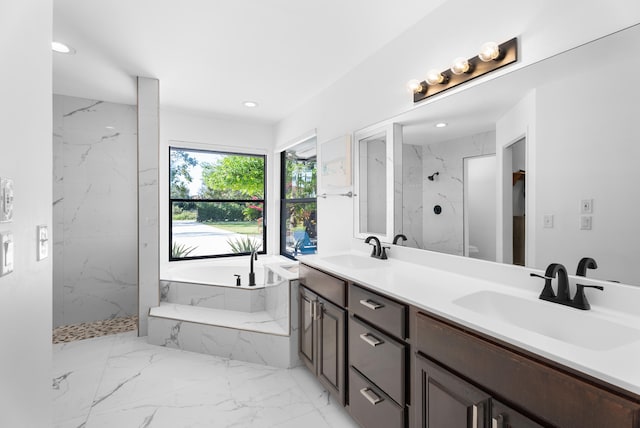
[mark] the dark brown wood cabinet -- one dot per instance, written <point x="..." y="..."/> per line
<point x="446" y="400"/>
<point x="322" y="330"/>
<point x="544" y="393"/>
<point x="378" y="360"/>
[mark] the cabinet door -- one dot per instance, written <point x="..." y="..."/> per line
<point x="331" y="348"/>
<point x="502" y="416"/>
<point x="307" y="333"/>
<point x="445" y="400"/>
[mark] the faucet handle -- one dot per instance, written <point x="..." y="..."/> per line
<point x="383" y="253"/>
<point x="547" y="291"/>
<point x="580" y="299"/>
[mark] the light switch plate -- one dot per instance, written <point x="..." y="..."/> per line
<point x="548" y="221"/>
<point x="586" y="206"/>
<point x="6" y="253"/>
<point x="6" y="200"/>
<point x="42" y="242"/>
<point x="585" y="222"/>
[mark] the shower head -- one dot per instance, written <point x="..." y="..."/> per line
<point x="432" y="176"/>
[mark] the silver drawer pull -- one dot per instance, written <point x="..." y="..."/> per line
<point x="474" y="420"/>
<point x="371" y="340"/>
<point x="370" y="396"/>
<point x="371" y="304"/>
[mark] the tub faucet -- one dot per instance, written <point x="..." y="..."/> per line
<point x="252" y="275"/>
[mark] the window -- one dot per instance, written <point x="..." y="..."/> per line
<point x="217" y="203"/>
<point x="298" y="224"/>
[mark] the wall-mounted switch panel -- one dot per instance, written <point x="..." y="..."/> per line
<point x="585" y="222"/>
<point x="6" y="253"/>
<point x="586" y="206"/>
<point x="6" y="200"/>
<point x="43" y="242"/>
<point x="548" y="221"/>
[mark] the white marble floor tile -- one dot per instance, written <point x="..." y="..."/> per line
<point x="129" y="383"/>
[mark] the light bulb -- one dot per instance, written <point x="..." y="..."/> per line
<point x="460" y="65"/>
<point x="62" y="48"/>
<point x="414" y="86"/>
<point x="434" y="77"/>
<point x="489" y="51"/>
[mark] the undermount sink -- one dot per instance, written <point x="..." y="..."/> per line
<point x="353" y="261"/>
<point x="580" y="328"/>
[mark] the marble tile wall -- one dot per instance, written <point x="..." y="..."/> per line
<point x="443" y="232"/>
<point x="94" y="210"/>
<point x="412" y="210"/>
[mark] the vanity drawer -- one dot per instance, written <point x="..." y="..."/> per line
<point x="329" y="287"/>
<point x="384" y="313"/>
<point x="371" y="407"/>
<point x="379" y="357"/>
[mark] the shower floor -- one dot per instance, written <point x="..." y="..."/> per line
<point x="87" y="330"/>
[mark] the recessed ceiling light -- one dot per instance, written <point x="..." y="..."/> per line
<point x="441" y="124"/>
<point x="250" y="104"/>
<point x="62" y="48"/>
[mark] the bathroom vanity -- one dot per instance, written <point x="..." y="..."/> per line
<point x="415" y="353"/>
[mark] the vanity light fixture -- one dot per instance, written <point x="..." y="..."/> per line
<point x="460" y="66"/>
<point x="62" y="48"/>
<point x="492" y="56"/>
<point x="434" y="77"/>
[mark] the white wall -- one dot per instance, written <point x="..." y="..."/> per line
<point x="597" y="129"/>
<point x="25" y="156"/>
<point x="374" y="91"/>
<point x="190" y="130"/>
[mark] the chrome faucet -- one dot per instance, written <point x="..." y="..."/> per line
<point x="252" y="275"/>
<point x="556" y="269"/>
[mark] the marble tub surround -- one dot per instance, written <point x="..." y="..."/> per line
<point x="94" y="210"/>
<point x="436" y="290"/>
<point x="242" y="299"/>
<point x="123" y="381"/>
<point x="254" y="324"/>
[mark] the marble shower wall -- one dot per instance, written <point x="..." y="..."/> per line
<point x="95" y="267"/>
<point x="443" y="232"/>
<point x="412" y="183"/>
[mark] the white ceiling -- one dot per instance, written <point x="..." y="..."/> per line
<point x="211" y="55"/>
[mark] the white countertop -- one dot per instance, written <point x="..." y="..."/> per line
<point x="435" y="291"/>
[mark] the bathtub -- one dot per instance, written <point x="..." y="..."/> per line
<point x="221" y="272"/>
<point x="212" y="284"/>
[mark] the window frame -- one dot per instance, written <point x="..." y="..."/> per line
<point x="283" y="205"/>
<point x="263" y="201"/>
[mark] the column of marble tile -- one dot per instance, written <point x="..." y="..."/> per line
<point x="148" y="199"/>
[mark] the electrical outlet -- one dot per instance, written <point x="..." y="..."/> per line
<point x="586" y="206"/>
<point x="6" y="253"/>
<point x="585" y="222"/>
<point x="548" y="221"/>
